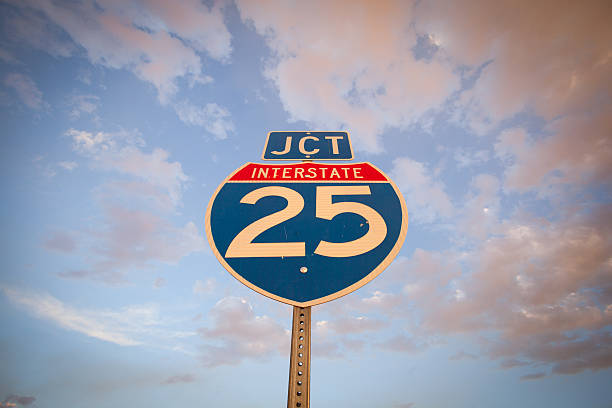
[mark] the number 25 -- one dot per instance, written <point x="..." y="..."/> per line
<point x="242" y="246"/>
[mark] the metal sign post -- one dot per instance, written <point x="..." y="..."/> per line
<point x="306" y="233"/>
<point x="299" y="362"/>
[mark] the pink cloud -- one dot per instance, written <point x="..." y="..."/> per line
<point x="133" y="239"/>
<point x="351" y="66"/>
<point x="542" y="288"/>
<point x="531" y="293"/>
<point x="478" y="217"/>
<point x="135" y="231"/>
<point x="556" y="68"/>
<point x="534" y="376"/>
<point x="237" y="333"/>
<point x="179" y="379"/>
<point x="60" y="241"/>
<point x="579" y="151"/>
<point x="559" y="71"/>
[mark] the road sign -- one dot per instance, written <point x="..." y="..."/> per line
<point x="306" y="233"/>
<point x="308" y="146"/>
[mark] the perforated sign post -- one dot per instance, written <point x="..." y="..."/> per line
<point x="304" y="234"/>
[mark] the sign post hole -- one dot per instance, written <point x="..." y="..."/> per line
<point x="299" y="362"/>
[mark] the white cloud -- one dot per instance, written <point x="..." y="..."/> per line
<point x="119" y="327"/>
<point x="26" y="90"/>
<point x="212" y="117"/>
<point x="68" y="165"/>
<point x="154" y="168"/>
<point x="156" y="41"/>
<point x="119" y="152"/>
<point x="359" y="324"/>
<point x="83" y="104"/>
<point x="466" y="158"/>
<point x="425" y="196"/>
<point x="91" y="145"/>
<point x="204" y="287"/>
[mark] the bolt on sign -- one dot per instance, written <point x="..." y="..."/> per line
<point x="306" y="233"/>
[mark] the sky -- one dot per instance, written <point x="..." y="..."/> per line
<point x="121" y="118"/>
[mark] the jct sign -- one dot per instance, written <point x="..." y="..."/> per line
<point x="308" y="146"/>
<point x="306" y="233"/>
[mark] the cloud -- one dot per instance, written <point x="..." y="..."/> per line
<point x="60" y="241"/>
<point x="400" y="343"/>
<point x="26" y="90"/>
<point x="212" y="117"/>
<point x="129" y="326"/>
<point x="83" y="104"/>
<point x="179" y="379"/>
<point x="542" y="288"/>
<point x="556" y="68"/>
<point x="425" y="196"/>
<point x="462" y="355"/>
<point x="157" y="42"/>
<point x="562" y="157"/>
<point x="351" y="67"/>
<point x="360" y="324"/>
<point x="8" y="57"/>
<point x="468" y="158"/>
<point x="204" y="288"/>
<point x="14" y="400"/>
<point x="558" y="71"/>
<point x="135" y="239"/>
<point x="381" y="301"/>
<point x="94" y="145"/>
<point x="29" y="27"/>
<point x="511" y="363"/>
<point x="120" y="152"/>
<point x="159" y="283"/>
<point x="478" y="216"/>
<point x="529" y="291"/>
<point x="135" y="230"/>
<point x="68" y="165"/>
<point x="103" y="325"/>
<point x="237" y="333"/>
<point x="534" y="376"/>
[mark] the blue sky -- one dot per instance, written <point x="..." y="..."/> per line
<point x="120" y="119"/>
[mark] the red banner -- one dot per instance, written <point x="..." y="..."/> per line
<point x="309" y="172"/>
